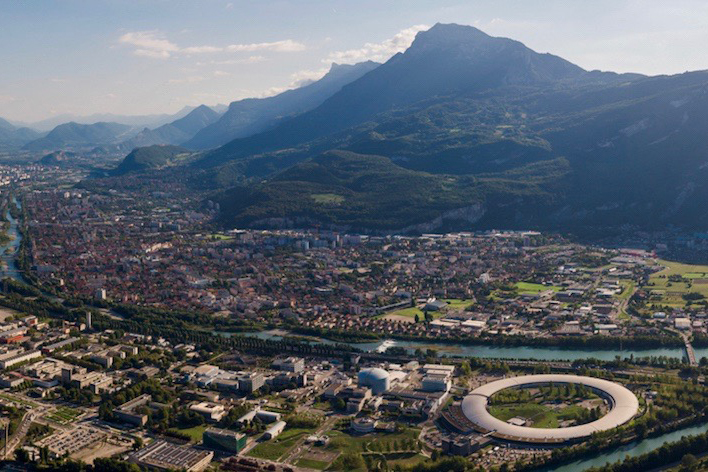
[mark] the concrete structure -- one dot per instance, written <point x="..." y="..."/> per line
<point x="251" y="382"/>
<point x="363" y="425"/>
<point x="622" y="402"/>
<point x="168" y="456"/>
<point x="378" y="380"/>
<point x="224" y="439"/>
<point x="210" y="411"/>
<point x="274" y="430"/>
<point x="291" y="364"/>
<point x="126" y="414"/>
<point x="15" y="359"/>
<point x="436" y="383"/>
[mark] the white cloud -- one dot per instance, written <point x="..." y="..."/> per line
<point x="7" y="98"/>
<point x="287" y="45"/>
<point x="304" y="77"/>
<point x="378" y="52"/>
<point x="221" y="73"/>
<point x="228" y="62"/>
<point x="153" y="44"/>
<point x="149" y="44"/>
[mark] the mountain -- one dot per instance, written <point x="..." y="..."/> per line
<point x="445" y="60"/>
<point x="364" y="192"/>
<point x="74" y="135"/>
<point x="177" y="131"/>
<point x="12" y="137"/>
<point x="57" y="158"/>
<point x="254" y="115"/>
<point x="138" y="121"/>
<point x="151" y="157"/>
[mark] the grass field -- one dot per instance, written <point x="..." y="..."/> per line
<point x="194" y="432"/>
<point x="456" y="303"/>
<point x="275" y="448"/>
<point x="528" y="288"/>
<point x="671" y="293"/>
<point x="64" y="415"/>
<point x="327" y="198"/>
<point x="541" y="415"/>
<point x="18" y="400"/>
<point x="359" y="443"/>
<point x="312" y="464"/>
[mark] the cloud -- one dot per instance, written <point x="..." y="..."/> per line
<point x="7" y="98"/>
<point x="153" y="44"/>
<point x="378" y="52"/>
<point x="149" y="44"/>
<point x="304" y="77"/>
<point x="221" y="73"/>
<point x="287" y="45"/>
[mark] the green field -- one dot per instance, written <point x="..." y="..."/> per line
<point x="327" y="198"/>
<point x="194" y="432"/>
<point x="312" y="464"/>
<point x="456" y="303"/>
<point x="671" y="293"/>
<point x="63" y="415"/>
<point x="528" y="288"/>
<point x="542" y="416"/>
<point x="18" y="400"/>
<point x="360" y="443"/>
<point x="545" y="407"/>
<point x="275" y="448"/>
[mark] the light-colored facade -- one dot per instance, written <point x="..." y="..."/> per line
<point x="623" y="406"/>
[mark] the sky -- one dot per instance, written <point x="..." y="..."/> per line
<point x="136" y="57"/>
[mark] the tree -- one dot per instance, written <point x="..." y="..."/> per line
<point x="21" y="455"/>
<point x="417" y="318"/>
<point x="137" y="444"/>
<point x="689" y="462"/>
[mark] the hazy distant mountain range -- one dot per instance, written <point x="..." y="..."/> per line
<point x="253" y="115"/>
<point x="199" y="127"/>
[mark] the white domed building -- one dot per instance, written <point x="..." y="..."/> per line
<point x="378" y="380"/>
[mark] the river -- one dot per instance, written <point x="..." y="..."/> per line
<point x="499" y="352"/>
<point x="633" y="449"/>
<point x="7" y="252"/>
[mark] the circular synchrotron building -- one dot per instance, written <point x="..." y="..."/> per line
<point x="623" y="405"/>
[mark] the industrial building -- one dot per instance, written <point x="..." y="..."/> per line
<point x="126" y="413"/>
<point x="17" y="358"/>
<point x="274" y="430"/>
<point x="168" y="456"/>
<point x="224" y="439"/>
<point x="210" y="411"/>
<point x="290" y="364"/>
<point x="623" y="406"/>
<point x="378" y="380"/>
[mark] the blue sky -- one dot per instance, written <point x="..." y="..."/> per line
<point x="140" y="57"/>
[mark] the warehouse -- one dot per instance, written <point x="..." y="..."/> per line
<point x="169" y="456"/>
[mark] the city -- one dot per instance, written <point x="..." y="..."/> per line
<point x="353" y="236"/>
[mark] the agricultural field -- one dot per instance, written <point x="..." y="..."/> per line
<point x="63" y="415"/>
<point x="676" y="280"/>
